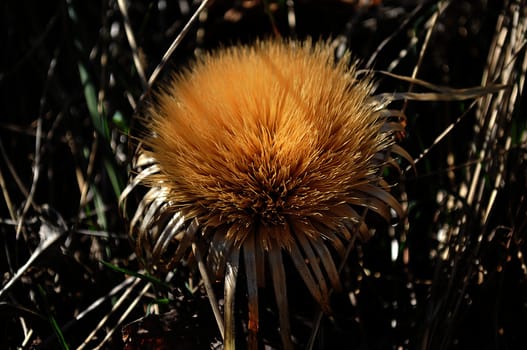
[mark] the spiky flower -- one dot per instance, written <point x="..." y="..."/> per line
<point x="261" y="151"/>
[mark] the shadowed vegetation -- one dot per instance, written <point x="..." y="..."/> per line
<point x="76" y="75"/>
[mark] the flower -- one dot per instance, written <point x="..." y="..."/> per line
<point x="260" y="151"/>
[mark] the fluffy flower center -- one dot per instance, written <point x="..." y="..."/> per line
<point x="265" y="135"/>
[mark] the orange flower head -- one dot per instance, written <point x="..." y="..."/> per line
<point x="268" y="149"/>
